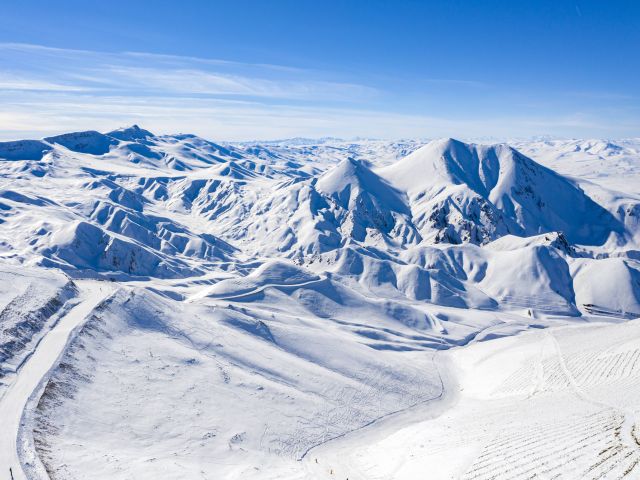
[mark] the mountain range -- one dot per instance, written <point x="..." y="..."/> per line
<point x="312" y="280"/>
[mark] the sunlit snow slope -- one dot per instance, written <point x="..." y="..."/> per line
<point x="272" y="298"/>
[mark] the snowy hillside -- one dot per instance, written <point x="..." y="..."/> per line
<point x="252" y="303"/>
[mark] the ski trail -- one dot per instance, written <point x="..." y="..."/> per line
<point x="326" y="457"/>
<point x="34" y="373"/>
<point x="628" y="435"/>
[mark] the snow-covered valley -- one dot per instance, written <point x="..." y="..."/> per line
<point x="318" y="308"/>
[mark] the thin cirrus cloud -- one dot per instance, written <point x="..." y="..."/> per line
<point x="21" y="82"/>
<point x="233" y="119"/>
<point x="46" y="90"/>
<point x="222" y="119"/>
<point x="192" y="81"/>
<point x="139" y="73"/>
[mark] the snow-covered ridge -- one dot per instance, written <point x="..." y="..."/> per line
<point x="131" y="204"/>
<point x="312" y="281"/>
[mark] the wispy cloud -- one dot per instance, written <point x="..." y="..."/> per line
<point x="17" y="82"/>
<point x="210" y="117"/>
<point x="27" y="67"/>
<point x="194" y="81"/>
<point x="47" y="90"/>
<point x="234" y="119"/>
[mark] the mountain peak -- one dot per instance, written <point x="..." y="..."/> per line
<point x="89" y="141"/>
<point x="351" y="178"/>
<point x="134" y="132"/>
<point x="459" y="186"/>
<point x="452" y="161"/>
<point x="349" y="172"/>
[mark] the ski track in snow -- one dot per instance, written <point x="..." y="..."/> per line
<point x="443" y="392"/>
<point x="32" y="376"/>
<point x="498" y="435"/>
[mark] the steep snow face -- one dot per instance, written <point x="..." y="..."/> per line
<point x="30" y="300"/>
<point x="476" y="193"/>
<point x="347" y="182"/>
<point x="84" y="246"/>
<point x="305" y="217"/>
<point x="614" y="293"/>
<point x="24" y="150"/>
<point x="130" y="134"/>
<point x="91" y="142"/>
<point x="366" y="202"/>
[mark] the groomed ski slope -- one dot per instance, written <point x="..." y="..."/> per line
<point x="554" y="403"/>
<point x="559" y="402"/>
<point x="31" y="377"/>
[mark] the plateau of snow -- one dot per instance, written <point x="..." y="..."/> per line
<point x="176" y="308"/>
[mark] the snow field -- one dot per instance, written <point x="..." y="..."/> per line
<point x="376" y="306"/>
<point x="554" y="404"/>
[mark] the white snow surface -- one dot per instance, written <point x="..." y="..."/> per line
<point x="318" y="308"/>
<point x="33" y="375"/>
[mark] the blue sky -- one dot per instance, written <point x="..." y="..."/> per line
<point x="272" y="69"/>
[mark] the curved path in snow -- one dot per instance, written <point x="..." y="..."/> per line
<point x="331" y="457"/>
<point x="558" y="403"/>
<point x="36" y="369"/>
<point x="259" y="289"/>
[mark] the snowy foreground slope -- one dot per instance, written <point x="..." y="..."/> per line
<point x="321" y="309"/>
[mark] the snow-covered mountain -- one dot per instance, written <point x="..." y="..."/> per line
<point x="265" y="298"/>
<point x="131" y="205"/>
